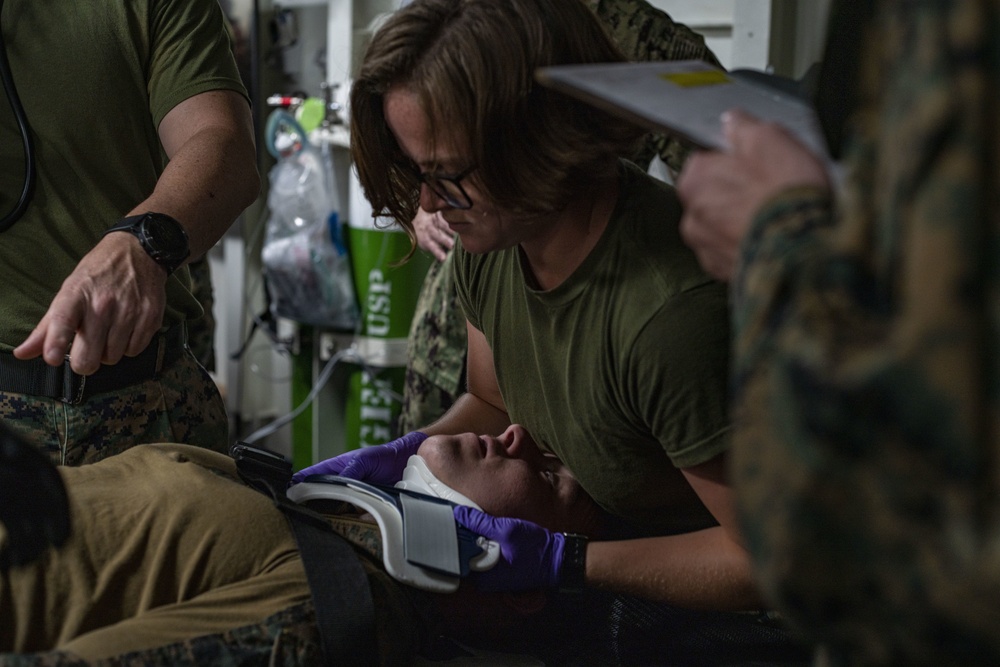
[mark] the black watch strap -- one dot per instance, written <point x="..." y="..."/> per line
<point x="573" y="571"/>
<point x="161" y="236"/>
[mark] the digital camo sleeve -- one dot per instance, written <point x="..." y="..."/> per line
<point x="645" y="33"/>
<point x="867" y="362"/>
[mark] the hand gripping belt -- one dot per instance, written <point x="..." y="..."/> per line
<point x="345" y="612"/>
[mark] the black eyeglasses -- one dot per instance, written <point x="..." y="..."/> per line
<point x="449" y="187"/>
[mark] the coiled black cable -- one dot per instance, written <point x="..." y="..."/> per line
<point x="25" y="129"/>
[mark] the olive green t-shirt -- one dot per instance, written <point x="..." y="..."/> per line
<point x="95" y="79"/>
<point x="621" y="370"/>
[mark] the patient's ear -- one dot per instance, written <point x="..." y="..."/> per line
<point x="526" y="603"/>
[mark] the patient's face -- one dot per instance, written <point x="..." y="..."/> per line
<point x="510" y="476"/>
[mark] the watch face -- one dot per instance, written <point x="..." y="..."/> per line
<point x="165" y="237"/>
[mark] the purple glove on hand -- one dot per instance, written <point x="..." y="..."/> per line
<point x="382" y="464"/>
<point x="530" y="556"/>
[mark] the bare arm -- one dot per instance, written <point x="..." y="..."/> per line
<point x="113" y="302"/>
<point x="707" y="569"/>
<point x="212" y="175"/>
<point x="481" y="409"/>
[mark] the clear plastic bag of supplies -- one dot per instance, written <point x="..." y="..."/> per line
<point x="304" y="260"/>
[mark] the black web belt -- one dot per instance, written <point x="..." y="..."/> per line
<point x="345" y="612"/>
<point x="36" y="378"/>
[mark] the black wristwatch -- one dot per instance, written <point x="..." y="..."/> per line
<point x="162" y="237"/>
<point x="573" y="571"/>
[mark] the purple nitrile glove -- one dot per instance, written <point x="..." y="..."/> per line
<point x="530" y="556"/>
<point x="381" y="464"/>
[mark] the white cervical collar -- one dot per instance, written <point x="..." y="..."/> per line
<point x="418" y="477"/>
<point x="422" y="544"/>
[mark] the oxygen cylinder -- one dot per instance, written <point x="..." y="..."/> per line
<point x="387" y="296"/>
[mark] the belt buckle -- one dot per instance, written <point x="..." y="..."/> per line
<point x="74" y="384"/>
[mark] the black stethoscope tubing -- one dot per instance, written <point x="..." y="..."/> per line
<point x="22" y="124"/>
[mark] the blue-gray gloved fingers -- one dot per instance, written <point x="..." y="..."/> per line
<point x="382" y="464"/>
<point x="34" y="507"/>
<point x="530" y="556"/>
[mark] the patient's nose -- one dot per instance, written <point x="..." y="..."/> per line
<point x="517" y="443"/>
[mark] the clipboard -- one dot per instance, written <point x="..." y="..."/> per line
<point x="685" y="98"/>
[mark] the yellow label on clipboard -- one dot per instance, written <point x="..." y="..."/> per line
<point x="707" y="77"/>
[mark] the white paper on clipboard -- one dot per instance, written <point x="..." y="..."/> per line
<point x="682" y="97"/>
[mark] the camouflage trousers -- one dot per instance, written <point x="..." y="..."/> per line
<point x="286" y="639"/>
<point x="289" y="638"/>
<point x="201" y="331"/>
<point x="181" y="404"/>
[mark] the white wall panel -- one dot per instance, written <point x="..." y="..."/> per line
<point x="702" y="13"/>
<point x="783" y="35"/>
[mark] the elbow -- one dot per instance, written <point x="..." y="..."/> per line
<point x="743" y="587"/>
<point x="240" y="161"/>
<point x="250" y="183"/>
<point x="246" y="180"/>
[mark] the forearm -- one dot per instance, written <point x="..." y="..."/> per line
<point x="212" y="173"/>
<point x="700" y="570"/>
<point x="856" y="380"/>
<point x="206" y="185"/>
<point x="470" y="414"/>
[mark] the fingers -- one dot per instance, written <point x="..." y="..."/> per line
<point x="436" y="249"/>
<point x="749" y="135"/>
<point x="52" y="337"/>
<point x="355" y="468"/>
<point x="331" y="466"/>
<point x="716" y="263"/>
<point x="496" y="528"/>
<point x="478" y="522"/>
<point x="433" y="234"/>
<point x="436" y="242"/>
<point x="738" y="127"/>
<point x="782" y="157"/>
<point x="441" y="224"/>
<point x="32" y="346"/>
<point x="140" y="338"/>
<point x="715" y="215"/>
<point x="722" y="191"/>
<point x="321" y="468"/>
<point x="110" y="306"/>
<point x="703" y="227"/>
<point x="90" y="336"/>
<point x="102" y="338"/>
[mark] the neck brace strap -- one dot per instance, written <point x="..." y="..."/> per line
<point x="422" y="544"/>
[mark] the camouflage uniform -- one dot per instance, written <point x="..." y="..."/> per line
<point x="86" y="182"/>
<point x="436" y="348"/>
<point x="138" y="413"/>
<point x="645" y="33"/>
<point x="181" y="404"/>
<point x="867" y="357"/>
<point x="201" y="331"/>
<point x="286" y="639"/>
